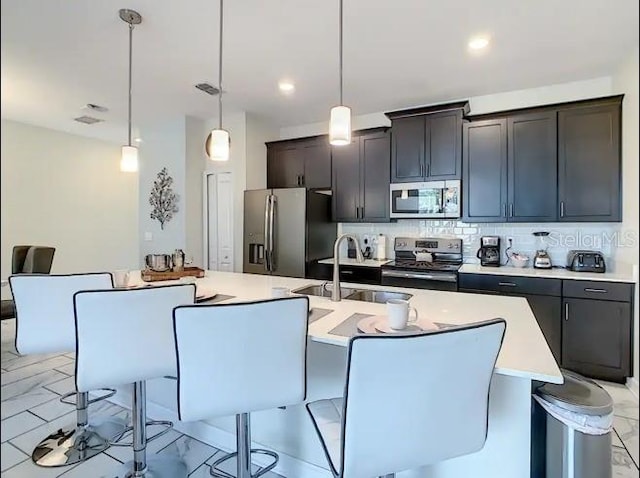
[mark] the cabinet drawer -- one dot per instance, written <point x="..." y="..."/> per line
<point x="515" y="285"/>
<point x="362" y="275"/>
<point x="583" y="289"/>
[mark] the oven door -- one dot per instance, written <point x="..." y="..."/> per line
<point x="420" y="280"/>
<point x="435" y="199"/>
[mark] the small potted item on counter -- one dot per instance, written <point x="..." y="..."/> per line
<point x="519" y="260"/>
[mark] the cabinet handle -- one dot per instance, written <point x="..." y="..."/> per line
<point x="566" y="311"/>
<point x="426" y="168"/>
<point x="362" y="212"/>
<point x="421" y="168"/>
<point x="511" y="210"/>
<point x="302" y="180"/>
<point x="504" y="209"/>
<point x="346" y="272"/>
<point x="561" y="208"/>
<point x="357" y="212"/>
<point x="508" y="284"/>
<point x="600" y="291"/>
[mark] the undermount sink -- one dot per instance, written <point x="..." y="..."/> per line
<point x="377" y="296"/>
<point x="322" y="291"/>
<point x="364" y="295"/>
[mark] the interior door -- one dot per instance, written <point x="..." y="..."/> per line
<point x="219" y="222"/>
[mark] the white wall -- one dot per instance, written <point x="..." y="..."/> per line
<point x="543" y="95"/>
<point x="259" y="131"/>
<point x="195" y="164"/>
<point x="626" y="81"/>
<point x="164" y="145"/>
<point x="67" y="191"/>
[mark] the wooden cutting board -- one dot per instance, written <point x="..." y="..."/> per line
<point x="152" y="276"/>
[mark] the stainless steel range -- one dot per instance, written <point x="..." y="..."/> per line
<point x="424" y="263"/>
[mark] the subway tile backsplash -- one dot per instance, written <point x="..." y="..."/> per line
<point x="603" y="237"/>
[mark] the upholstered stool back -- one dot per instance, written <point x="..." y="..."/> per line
<point x="126" y="336"/>
<point x="241" y="357"/>
<point x="44" y="306"/>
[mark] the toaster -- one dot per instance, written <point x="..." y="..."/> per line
<point x="586" y="261"/>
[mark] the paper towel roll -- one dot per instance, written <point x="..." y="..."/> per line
<point x="381" y="248"/>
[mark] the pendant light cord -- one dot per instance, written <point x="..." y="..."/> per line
<point x="130" y="76"/>
<point x="340" y="41"/>
<point x="220" y="70"/>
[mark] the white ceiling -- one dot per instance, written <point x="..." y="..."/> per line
<point x="58" y="55"/>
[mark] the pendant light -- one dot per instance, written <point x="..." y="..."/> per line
<point x="340" y="121"/>
<point x="217" y="145"/>
<point x="129" y="159"/>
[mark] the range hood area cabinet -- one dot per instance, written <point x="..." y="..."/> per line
<point x="360" y="184"/>
<point x="560" y="163"/>
<point x="299" y="163"/>
<point x="426" y="143"/>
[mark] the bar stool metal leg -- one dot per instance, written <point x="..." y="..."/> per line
<point x="244" y="451"/>
<point x="160" y="466"/>
<point x="71" y="445"/>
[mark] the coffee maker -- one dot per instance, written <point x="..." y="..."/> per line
<point x="489" y="252"/>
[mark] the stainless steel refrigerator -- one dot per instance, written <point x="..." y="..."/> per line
<point x="286" y="231"/>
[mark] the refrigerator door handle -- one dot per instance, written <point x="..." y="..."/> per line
<point x="272" y="228"/>
<point x="267" y="204"/>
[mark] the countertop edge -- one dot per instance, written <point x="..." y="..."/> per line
<point x="548" y="273"/>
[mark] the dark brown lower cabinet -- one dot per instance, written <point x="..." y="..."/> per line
<point x="596" y="338"/>
<point x="547" y="311"/>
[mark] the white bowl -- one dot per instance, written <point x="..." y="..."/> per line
<point x="519" y="262"/>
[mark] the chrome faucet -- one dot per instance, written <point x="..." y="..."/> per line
<point x="335" y="293"/>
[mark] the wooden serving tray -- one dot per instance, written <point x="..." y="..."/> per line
<point x="152" y="276"/>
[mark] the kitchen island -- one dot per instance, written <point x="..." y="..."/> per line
<point x="524" y="357"/>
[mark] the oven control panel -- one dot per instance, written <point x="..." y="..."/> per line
<point x="427" y="244"/>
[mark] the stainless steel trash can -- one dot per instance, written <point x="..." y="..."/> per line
<point x="579" y="416"/>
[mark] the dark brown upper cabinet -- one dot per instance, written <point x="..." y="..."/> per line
<point x="485" y="171"/>
<point x="426" y="143"/>
<point x="532" y="167"/>
<point x="589" y="157"/>
<point x="299" y="163"/>
<point x="547" y="164"/>
<point x="360" y="185"/>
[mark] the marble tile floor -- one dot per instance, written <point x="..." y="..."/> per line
<point x="31" y="387"/>
<point x="30" y="409"/>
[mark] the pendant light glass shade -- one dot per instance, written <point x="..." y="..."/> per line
<point x="218" y="146"/>
<point x="340" y="126"/>
<point x="129" y="159"/>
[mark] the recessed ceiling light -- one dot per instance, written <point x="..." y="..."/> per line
<point x="478" y="43"/>
<point x="286" y="86"/>
<point x="138" y="140"/>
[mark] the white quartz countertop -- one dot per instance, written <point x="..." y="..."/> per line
<point x="548" y="273"/>
<point x="524" y="352"/>
<point x="345" y="261"/>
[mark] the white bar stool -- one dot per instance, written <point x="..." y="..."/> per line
<point x="45" y="324"/>
<point x="410" y="400"/>
<point x="237" y="358"/>
<point x="124" y="337"/>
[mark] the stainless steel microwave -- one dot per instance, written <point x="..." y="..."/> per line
<point x="431" y="199"/>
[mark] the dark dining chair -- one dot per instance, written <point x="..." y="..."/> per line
<point x="27" y="260"/>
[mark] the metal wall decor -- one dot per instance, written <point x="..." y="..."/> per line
<point x="163" y="201"/>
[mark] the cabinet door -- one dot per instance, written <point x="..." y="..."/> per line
<point x="444" y="146"/>
<point x="589" y="163"/>
<point x="408" y="149"/>
<point x="375" y="154"/>
<point x="548" y="312"/>
<point x="484" y="165"/>
<point x="596" y="338"/>
<point x="532" y="167"/>
<point x="317" y="164"/>
<point x="345" y="184"/>
<point x="285" y="166"/>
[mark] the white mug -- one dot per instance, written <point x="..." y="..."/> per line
<point x="398" y="314"/>
<point x="279" y="292"/>
<point x="121" y="278"/>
